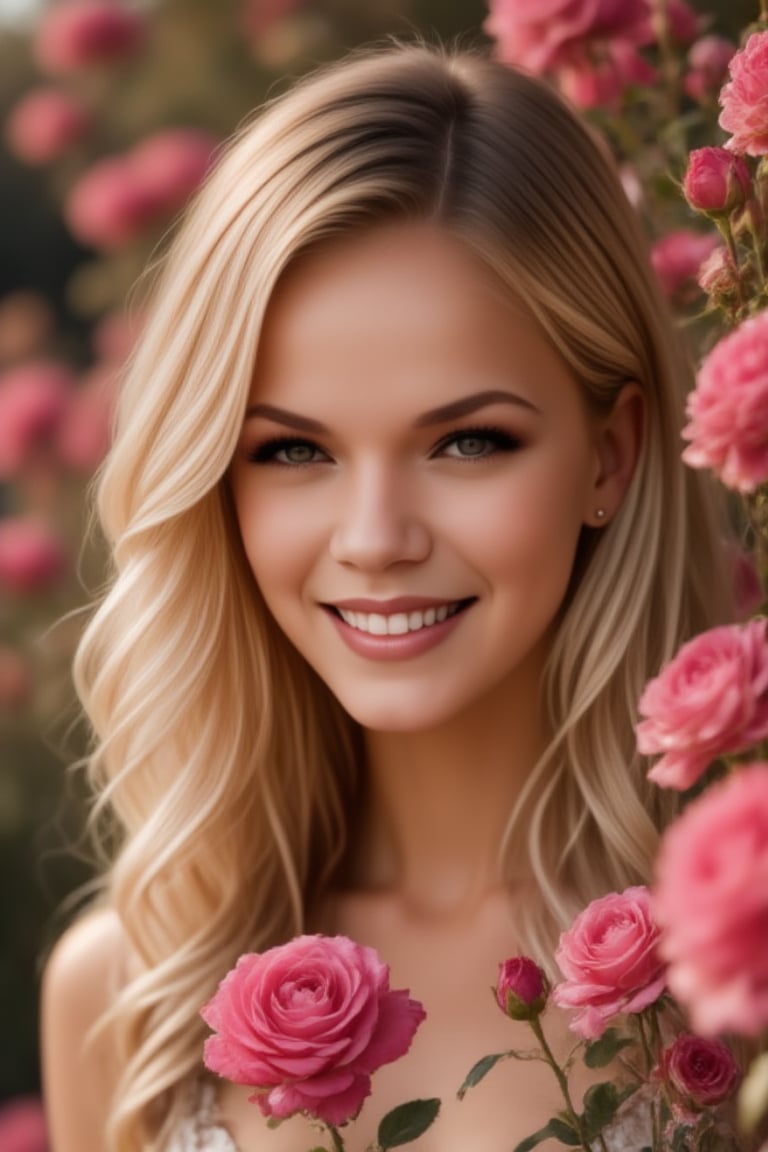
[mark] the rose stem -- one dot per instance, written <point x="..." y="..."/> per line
<point x="562" y="1080"/>
<point x="338" y="1143"/>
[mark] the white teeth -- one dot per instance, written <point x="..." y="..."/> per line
<point x="399" y="623"/>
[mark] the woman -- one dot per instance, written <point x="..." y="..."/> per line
<point x="400" y="531"/>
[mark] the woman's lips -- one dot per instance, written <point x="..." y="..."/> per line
<point x="408" y="627"/>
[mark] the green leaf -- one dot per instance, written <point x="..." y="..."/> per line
<point x="600" y="1104"/>
<point x="600" y="1053"/>
<point x="478" y="1071"/>
<point x="406" y="1122"/>
<point x="555" y="1128"/>
<point x="564" y="1132"/>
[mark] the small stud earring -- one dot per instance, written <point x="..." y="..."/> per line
<point x="600" y="513"/>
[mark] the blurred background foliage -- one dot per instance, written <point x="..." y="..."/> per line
<point x="74" y="236"/>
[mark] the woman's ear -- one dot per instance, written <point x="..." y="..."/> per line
<point x="619" y="440"/>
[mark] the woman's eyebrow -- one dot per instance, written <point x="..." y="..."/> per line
<point x="453" y="411"/>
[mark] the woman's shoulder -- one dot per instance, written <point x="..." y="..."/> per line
<point x="82" y="976"/>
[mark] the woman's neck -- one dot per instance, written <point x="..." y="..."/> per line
<point x="438" y="803"/>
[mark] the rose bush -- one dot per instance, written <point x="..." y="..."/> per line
<point x="610" y="960"/>
<point x="710" y="699"/>
<point x="45" y="124"/>
<point x="711" y="900"/>
<point x="728" y="409"/>
<point x="306" y="1024"/>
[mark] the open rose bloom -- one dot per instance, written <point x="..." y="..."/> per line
<point x="306" y="1024"/>
<point x="710" y="700"/>
<point x="711" y="900"/>
<point x="610" y="961"/>
<point x="728" y="409"/>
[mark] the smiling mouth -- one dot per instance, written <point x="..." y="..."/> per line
<point x="400" y="623"/>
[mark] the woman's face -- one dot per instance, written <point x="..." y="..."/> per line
<point x="412" y="477"/>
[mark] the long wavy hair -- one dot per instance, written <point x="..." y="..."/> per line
<point x="226" y="767"/>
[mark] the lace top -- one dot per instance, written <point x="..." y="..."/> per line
<point x="201" y="1131"/>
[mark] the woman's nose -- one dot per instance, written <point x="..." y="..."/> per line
<point x="378" y="522"/>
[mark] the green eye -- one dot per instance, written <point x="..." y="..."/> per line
<point x="298" y="453"/>
<point x="472" y="445"/>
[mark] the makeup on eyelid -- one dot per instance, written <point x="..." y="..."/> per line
<point x="500" y="441"/>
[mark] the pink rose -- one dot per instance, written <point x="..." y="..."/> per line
<point x="610" y="960"/>
<point x="22" y="1125"/>
<point x="45" y="124"/>
<point x="306" y="1024"/>
<point x="586" y="38"/>
<point x="522" y="988"/>
<point x="728" y="409"/>
<point x="118" y="198"/>
<point x="711" y="900"/>
<point x="85" y="431"/>
<point x="709" y="700"/>
<point x="678" y="256"/>
<point x="30" y="555"/>
<point x="716" y="181"/>
<point x="33" y="398"/>
<point x="702" y="1071"/>
<point x="708" y="61"/>
<point x="76" y="34"/>
<point x="744" y="100"/>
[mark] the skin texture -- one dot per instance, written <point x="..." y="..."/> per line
<point x="366" y="337"/>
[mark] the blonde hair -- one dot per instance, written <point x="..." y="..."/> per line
<point x="228" y="767"/>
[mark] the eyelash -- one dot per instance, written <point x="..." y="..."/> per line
<point x="500" y="440"/>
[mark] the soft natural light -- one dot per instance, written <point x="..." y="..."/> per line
<point x="12" y="11"/>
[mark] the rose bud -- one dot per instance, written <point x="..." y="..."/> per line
<point x="522" y="990"/>
<point x="703" y="1072"/>
<point x="716" y="182"/>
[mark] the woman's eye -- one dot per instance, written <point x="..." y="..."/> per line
<point x="289" y="453"/>
<point x="477" y="444"/>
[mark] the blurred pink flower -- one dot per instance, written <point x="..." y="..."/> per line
<point x="31" y="556"/>
<point x="45" y="124"/>
<point x="684" y="21"/>
<point x="22" y="1125"/>
<point x="708" y="61"/>
<point x="15" y="688"/>
<point x="259" y="15"/>
<point x="602" y="82"/>
<point x="108" y="206"/>
<point x="678" y="256"/>
<point x="85" y="430"/>
<point x="33" y="398"/>
<point x="119" y="197"/>
<point x="170" y="164"/>
<point x="710" y="700"/>
<point x="75" y="34"/>
<point x="744" y="99"/>
<point x="728" y="408"/>
<point x="711" y="900"/>
<point x="716" y="181"/>
<point x="610" y="960"/>
<point x="591" y="43"/>
<point x="703" y="1072"/>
